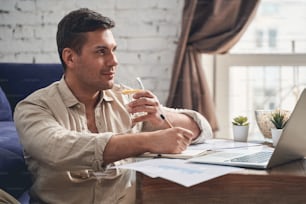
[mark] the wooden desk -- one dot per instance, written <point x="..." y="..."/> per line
<point x="283" y="184"/>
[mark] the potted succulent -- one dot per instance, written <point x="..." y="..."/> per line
<point x="279" y="119"/>
<point x="240" y="128"/>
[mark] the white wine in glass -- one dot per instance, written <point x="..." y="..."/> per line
<point x="128" y="89"/>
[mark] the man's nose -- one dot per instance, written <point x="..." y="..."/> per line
<point x="112" y="61"/>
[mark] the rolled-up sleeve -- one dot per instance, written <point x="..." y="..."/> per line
<point x="205" y="128"/>
<point x="101" y="141"/>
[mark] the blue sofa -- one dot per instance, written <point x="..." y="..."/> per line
<point x="16" y="82"/>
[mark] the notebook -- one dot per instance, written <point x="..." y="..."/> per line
<point x="291" y="146"/>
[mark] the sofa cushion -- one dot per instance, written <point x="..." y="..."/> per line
<point x="9" y="138"/>
<point x="18" y="80"/>
<point x="5" y="108"/>
<point x="14" y="176"/>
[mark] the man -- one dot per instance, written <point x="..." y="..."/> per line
<point x="74" y="130"/>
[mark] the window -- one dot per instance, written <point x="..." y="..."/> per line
<point x="272" y="38"/>
<point x="259" y="38"/>
<point x="265" y="70"/>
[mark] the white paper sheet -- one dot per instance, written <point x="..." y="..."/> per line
<point x="218" y="144"/>
<point x="204" y="148"/>
<point x="179" y="171"/>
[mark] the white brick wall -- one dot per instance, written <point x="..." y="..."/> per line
<point x="146" y="32"/>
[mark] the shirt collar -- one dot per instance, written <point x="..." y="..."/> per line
<point x="70" y="100"/>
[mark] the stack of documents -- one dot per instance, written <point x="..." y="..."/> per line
<point x="179" y="170"/>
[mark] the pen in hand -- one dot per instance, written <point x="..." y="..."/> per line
<point x="166" y="120"/>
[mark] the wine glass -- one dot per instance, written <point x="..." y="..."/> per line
<point x="128" y="89"/>
<point x="133" y="87"/>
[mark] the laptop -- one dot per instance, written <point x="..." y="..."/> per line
<point x="291" y="146"/>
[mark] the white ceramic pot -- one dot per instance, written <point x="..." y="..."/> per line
<point x="276" y="133"/>
<point x="240" y="133"/>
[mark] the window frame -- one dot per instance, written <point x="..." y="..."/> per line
<point x="220" y="79"/>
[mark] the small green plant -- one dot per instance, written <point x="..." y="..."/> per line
<point x="240" y="121"/>
<point x="279" y="119"/>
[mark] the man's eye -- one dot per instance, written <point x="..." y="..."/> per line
<point x="101" y="52"/>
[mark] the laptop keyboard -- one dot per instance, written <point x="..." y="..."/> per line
<point x="258" y="157"/>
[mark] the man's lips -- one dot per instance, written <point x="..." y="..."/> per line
<point x="109" y="74"/>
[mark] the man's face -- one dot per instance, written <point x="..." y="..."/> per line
<point x="95" y="67"/>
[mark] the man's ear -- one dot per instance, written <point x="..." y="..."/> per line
<point x="68" y="56"/>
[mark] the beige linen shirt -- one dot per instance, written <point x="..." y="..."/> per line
<point x="65" y="158"/>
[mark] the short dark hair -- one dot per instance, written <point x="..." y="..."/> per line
<point x="72" y="28"/>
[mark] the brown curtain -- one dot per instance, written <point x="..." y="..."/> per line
<point x="208" y="26"/>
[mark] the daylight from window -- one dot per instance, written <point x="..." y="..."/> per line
<point x="278" y="27"/>
<point x="266" y="75"/>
